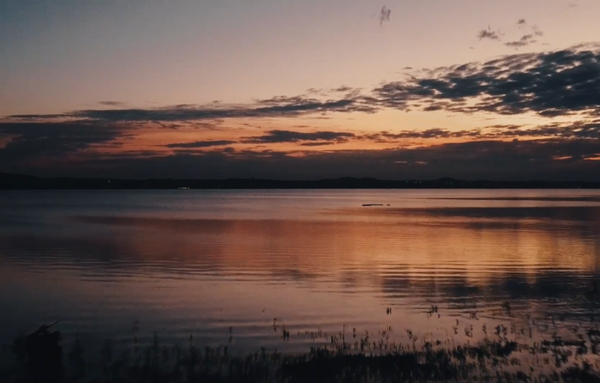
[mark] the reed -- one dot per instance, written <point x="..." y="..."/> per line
<point x="507" y="352"/>
<point x="368" y="358"/>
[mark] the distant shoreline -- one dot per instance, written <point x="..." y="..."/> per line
<point x="26" y="182"/>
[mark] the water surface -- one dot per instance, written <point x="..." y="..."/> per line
<point x="202" y="262"/>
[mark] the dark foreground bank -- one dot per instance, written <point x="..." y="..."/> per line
<point x="40" y="357"/>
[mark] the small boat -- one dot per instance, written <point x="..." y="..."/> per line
<point x="183" y="188"/>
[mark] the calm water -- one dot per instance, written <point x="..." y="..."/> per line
<point x="200" y="262"/>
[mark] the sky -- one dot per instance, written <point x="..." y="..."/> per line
<point x="290" y="89"/>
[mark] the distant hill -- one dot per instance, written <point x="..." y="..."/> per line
<point x="23" y="182"/>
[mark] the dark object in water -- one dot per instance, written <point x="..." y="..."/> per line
<point x="44" y="356"/>
<point x="372" y="204"/>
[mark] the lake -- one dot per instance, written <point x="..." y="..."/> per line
<point x="235" y="268"/>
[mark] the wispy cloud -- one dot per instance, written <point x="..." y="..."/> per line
<point x="281" y="106"/>
<point x="282" y="136"/>
<point x="112" y="103"/>
<point x="488" y="34"/>
<point x="522" y="42"/>
<point x="344" y="89"/>
<point x="200" y="144"/>
<point x="384" y="15"/>
<point x="564" y="131"/>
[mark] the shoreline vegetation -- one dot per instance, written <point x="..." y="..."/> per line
<point x="26" y="182"/>
<point x="346" y="356"/>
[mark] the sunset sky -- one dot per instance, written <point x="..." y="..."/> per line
<point x="290" y="89"/>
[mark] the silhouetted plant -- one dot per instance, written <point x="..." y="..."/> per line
<point x="507" y="355"/>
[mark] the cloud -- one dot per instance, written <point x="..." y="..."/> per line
<point x="286" y="136"/>
<point x="494" y="160"/>
<point x="384" y="15"/>
<point x="200" y="144"/>
<point x="563" y="131"/>
<point x="404" y="134"/>
<point x="280" y="106"/>
<point x="37" y="116"/>
<point x="527" y="39"/>
<point x="555" y="83"/>
<point x="111" y="103"/>
<point x="317" y="143"/>
<point x="578" y="131"/>
<point x="54" y="139"/>
<point x="558" y="83"/>
<point x="488" y="34"/>
<point x="344" y="89"/>
<point x="522" y="42"/>
<point x="275" y="108"/>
